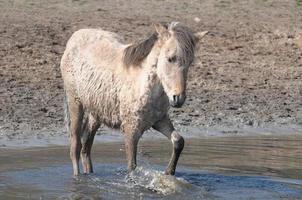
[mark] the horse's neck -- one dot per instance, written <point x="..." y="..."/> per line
<point x="150" y="85"/>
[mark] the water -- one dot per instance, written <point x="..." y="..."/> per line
<point x="216" y="168"/>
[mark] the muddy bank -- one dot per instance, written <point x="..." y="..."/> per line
<point x="247" y="74"/>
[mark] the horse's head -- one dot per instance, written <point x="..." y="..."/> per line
<point x="176" y="54"/>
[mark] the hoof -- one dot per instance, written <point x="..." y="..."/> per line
<point x="167" y="172"/>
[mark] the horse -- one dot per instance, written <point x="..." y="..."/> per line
<point x="125" y="86"/>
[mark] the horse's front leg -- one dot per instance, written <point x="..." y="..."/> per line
<point x="166" y="127"/>
<point x="131" y="141"/>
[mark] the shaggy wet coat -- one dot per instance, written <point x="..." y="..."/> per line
<point x="124" y="86"/>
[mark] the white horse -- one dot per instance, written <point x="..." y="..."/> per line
<point x="126" y="86"/>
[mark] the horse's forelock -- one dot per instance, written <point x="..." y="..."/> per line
<point x="136" y="53"/>
<point x="186" y="42"/>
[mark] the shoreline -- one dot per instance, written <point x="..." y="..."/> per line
<point x="47" y="138"/>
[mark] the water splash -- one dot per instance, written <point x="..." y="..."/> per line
<point x="157" y="181"/>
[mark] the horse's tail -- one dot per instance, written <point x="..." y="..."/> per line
<point x="66" y="112"/>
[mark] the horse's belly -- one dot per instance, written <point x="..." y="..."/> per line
<point x="107" y="111"/>
<point x="103" y="103"/>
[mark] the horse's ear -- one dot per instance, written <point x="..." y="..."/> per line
<point x="161" y="30"/>
<point x="200" y="35"/>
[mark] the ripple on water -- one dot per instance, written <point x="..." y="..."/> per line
<point x="240" y="173"/>
<point x="112" y="182"/>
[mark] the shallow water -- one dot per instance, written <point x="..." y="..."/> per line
<point x="215" y="168"/>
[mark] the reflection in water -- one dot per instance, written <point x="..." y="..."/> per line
<point x="216" y="168"/>
<point x="273" y="156"/>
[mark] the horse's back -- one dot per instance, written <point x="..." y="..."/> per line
<point x="84" y="37"/>
<point x="90" y="51"/>
<point x="86" y="44"/>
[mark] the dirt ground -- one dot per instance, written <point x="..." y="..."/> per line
<point x="247" y="74"/>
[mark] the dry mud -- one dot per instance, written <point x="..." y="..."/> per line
<point x="247" y="73"/>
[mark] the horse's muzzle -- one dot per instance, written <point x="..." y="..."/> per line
<point x="177" y="100"/>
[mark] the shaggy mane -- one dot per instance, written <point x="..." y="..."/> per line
<point x="136" y="53"/>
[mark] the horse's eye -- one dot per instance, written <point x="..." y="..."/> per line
<point x="172" y="59"/>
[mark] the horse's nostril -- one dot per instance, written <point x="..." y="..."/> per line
<point x="176" y="98"/>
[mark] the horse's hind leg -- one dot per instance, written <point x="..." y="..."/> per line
<point x="91" y="126"/>
<point x="75" y="110"/>
<point x="166" y="127"/>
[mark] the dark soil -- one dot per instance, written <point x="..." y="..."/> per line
<point x="247" y="74"/>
